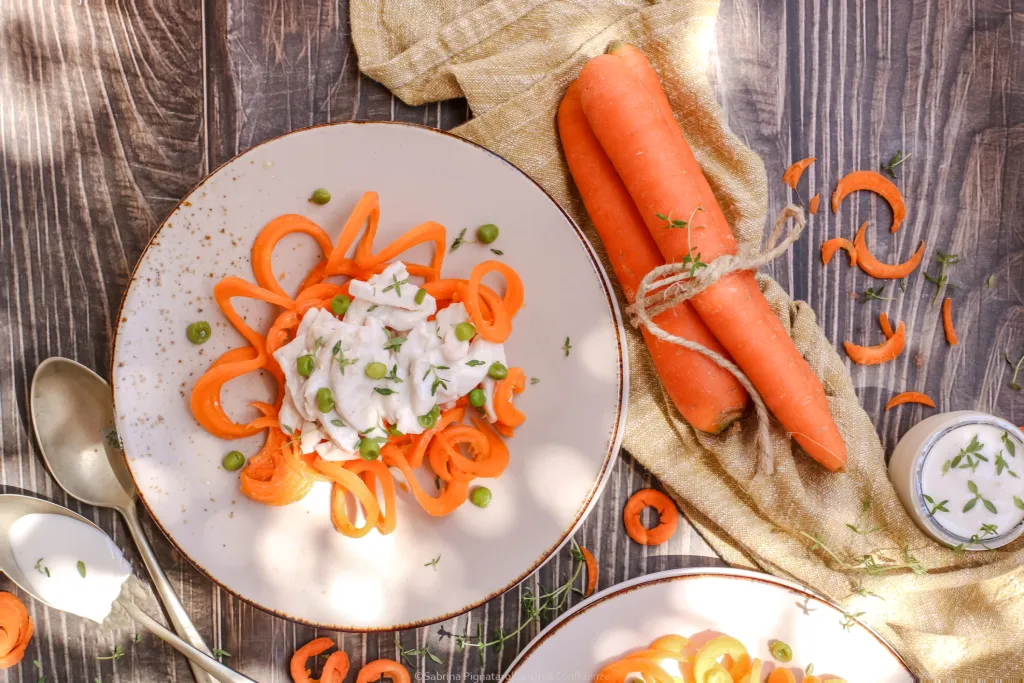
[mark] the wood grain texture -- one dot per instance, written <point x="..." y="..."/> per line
<point x="109" y="114"/>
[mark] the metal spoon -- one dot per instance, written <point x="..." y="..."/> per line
<point x="73" y="418"/>
<point x="14" y="506"/>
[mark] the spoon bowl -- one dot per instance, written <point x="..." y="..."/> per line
<point x="73" y="419"/>
<point x="14" y="506"/>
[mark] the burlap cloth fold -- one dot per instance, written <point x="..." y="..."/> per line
<point x="512" y="60"/>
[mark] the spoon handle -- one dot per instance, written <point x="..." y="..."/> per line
<point x="175" y="610"/>
<point x="208" y="663"/>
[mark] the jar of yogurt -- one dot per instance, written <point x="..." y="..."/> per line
<point x="960" y="476"/>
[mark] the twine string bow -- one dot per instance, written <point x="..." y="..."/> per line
<point x="669" y="285"/>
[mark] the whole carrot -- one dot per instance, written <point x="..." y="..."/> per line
<point x="708" y="397"/>
<point x="658" y="168"/>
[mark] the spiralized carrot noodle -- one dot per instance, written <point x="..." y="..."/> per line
<point x="297" y="666"/>
<point x="883" y="321"/>
<point x="667" y="513"/>
<point x="16" y="630"/>
<point x="514" y="383"/>
<point x="387" y="668"/>
<point x="721" y="659"/>
<point x="279" y="474"/>
<point x="910" y="397"/>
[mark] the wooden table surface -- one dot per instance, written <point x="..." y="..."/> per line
<point x="111" y="112"/>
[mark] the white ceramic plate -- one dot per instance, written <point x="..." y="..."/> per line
<point x="289" y="560"/>
<point x="700" y="603"/>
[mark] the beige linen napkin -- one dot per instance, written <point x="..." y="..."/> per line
<point x="512" y="60"/>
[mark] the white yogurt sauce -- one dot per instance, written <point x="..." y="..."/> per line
<point x="54" y="551"/>
<point x="431" y="367"/>
<point x="987" y="457"/>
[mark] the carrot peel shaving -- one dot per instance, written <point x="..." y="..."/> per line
<point x="872" y="181"/>
<point x="873" y="355"/>
<point x="909" y="397"/>
<point x="947" y="322"/>
<point x="830" y="247"/>
<point x="792" y="175"/>
<point x="885" y="271"/>
<point x="591" y="563"/>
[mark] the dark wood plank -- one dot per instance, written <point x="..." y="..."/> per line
<point x="101" y="121"/>
<point x="108" y="115"/>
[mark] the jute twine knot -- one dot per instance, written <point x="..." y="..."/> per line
<point x="669" y="285"/>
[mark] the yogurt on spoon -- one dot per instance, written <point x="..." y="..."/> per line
<point x="70" y="565"/>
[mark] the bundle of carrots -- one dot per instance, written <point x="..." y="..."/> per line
<point x="279" y="474"/>
<point x="639" y="180"/>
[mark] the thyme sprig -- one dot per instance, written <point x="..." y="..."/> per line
<point x="404" y="654"/>
<point x="897" y="159"/>
<point x="942" y="279"/>
<point x="1016" y="370"/>
<point x="534" y="608"/>
<point x="936" y="507"/>
<point x="967" y="458"/>
<point x="875" y="563"/>
<point x="873" y="294"/>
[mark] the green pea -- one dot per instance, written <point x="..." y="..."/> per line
<point x="320" y="196"/>
<point x="324" y="400"/>
<point x="369" y="449"/>
<point x="304" y="364"/>
<point x="477" y="398"/>
<point x="481" y="496"/>
<point x="376" y="370"/>
<point x="487" y="233"/>
<point x="199" y="332"/>
<point x="340" y="304"/>
<point x="780" y="651"/>
<point x="464" y="331"/>
<point x="421" y="294"/>
<point x="233" y="461"/>
<point x="430" y="419"/>
<point x="497" y="371"/>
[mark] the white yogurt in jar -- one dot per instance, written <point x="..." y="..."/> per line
<point x="70" y="565"/>
<point x="961" y="477"/>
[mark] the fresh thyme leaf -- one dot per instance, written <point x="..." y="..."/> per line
<point x="393" y="375"/>
<point x="372" y="308"/>
<point x="535" y="380"/>
<point x="115" y="655"/>
<point x="287" y="430"/>
<point x="41" y="568"/>
<point x="1018" y="502"/>
<point x="989" y="530"/>
<point x="220" y="654"/>
<point x="433" y="562"/>
<point x="903" y="284"/>
<point x="1016" y="370"/>
<point x="875" y="294"/>
<point x="1001" y="465"/>
<point x="384" y="391"/>
<point x="395" y="343"/>
<point x="81" y="568"/>
<point x="499" y="252"/>
<point x="972" y="487"/>
<point x="895" y="161"/>
<point x="318" y="344"/>
<point x="991" y="282"/>
<point x="945" y="467"/>
<point x="566" y="347"/>
<point x="337" y="423"/>
<point x="137" y="638"/>
<point x="437" y="482"/>
<point x="474" y="363"/>
<point x="1011" y="448"/>
<point x="989" y="505"/>
<point x="396" y="285"/>
<point x="810" y="667"/>
<point x="458" y="241"/>
<point x="956" y="460"/>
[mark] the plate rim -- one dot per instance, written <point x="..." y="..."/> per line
<point x="683" y="573"/>
<point x="618" y="430"/>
